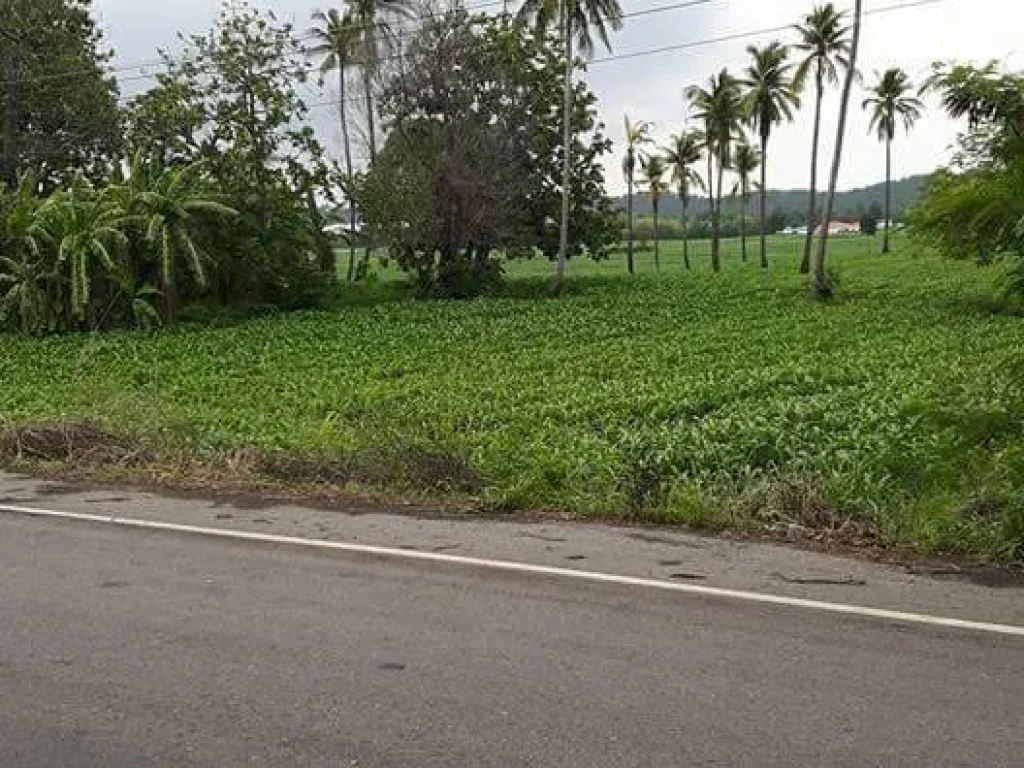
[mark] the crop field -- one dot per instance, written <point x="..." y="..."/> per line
<point x="894" y="414"/>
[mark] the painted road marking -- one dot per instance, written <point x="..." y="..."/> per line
<point x="539" y="570"/>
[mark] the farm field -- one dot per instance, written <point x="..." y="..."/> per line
<point x="893" y="415"/>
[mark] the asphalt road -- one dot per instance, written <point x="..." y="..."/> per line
<point x="128" y="648"/>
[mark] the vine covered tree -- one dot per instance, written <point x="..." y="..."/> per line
<point x="892" y="102"/>
<point x="771" y="98"/>
<point x="824" y="41"/>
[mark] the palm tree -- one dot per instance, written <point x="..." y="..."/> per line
<point x="745" y="161"/>
<point x="576" y="18"/>
<point x="26" y="260"/>
<point x="822" y="288"/>
<point x="890" y="102"/>
<point x="824" y="39"/>
<point x="771" y="98"/>
<point x="682" y="155"/>
<point x="637" y="134"/>
<point x="166" y="205"/>
<point x="719" y="107"/>
<point x="371" y="26"/>
<point x="87" y="226"/>
<point x="654" y="173"/>
<point x="337" y="38"/>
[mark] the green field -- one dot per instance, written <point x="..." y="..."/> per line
<point x="716" y="400"/>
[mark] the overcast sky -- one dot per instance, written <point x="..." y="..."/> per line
<point x="650" y="87"/>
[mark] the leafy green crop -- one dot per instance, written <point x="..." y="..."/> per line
<point x="675" y="396"/>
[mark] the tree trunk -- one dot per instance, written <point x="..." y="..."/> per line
<point x="743" y="220"/>
<point x="822" y="289"/>
<point x="686" y="231"/>
<point x="657" y="253"/>
<point x="11" y="73"/>
<point x="346" y="141"/>
<point x="716" y="244"/>
<point x="563" y="236"/>
<point x="629" y="223"/>
<point x="888" y="193"/>
<point x="371" y="127"/>
<point x="764" y="202"/>
<point x="711" y="200"/>
<point x="812" y="207"/>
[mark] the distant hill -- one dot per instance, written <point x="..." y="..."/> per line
<point x="794" y="201"/>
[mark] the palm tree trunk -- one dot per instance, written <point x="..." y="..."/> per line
<point x="711" y="202"/>
<point x="657" y="254"/>
<point x="371" y="129"/>
<point x="764" y="202"/>
<point x="822" y="289"/>
<point x="629" y="223"/>
<point x="686" y="231"/>
<point x="888" y="192"/>
<point x="805" y="264"/>
<point x="743" y="220"/>
<point x="563" y="237"/>
<point x="716" y="245"/>
<point x="346" y="141"/>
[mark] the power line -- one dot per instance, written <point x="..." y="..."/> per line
<point x="900" y="6"/>
<point x="383" y="26"/>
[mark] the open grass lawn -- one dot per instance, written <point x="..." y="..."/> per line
<point x="721" y="400"/>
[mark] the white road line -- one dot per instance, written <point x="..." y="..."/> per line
<point x="541" y="570"/>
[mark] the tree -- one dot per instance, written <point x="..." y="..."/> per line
<point x="637" y="135"/>
<point x="337" y="38"/>
<point x="869" y="219"/>
<point x="682" y="155"/>
<point x="890" y="102"/>
<point x="719" y="107"/>
<point x="771" y="98"/>
<point x="576" y="18"/>
<point x="25" y="271"/>
<point x="230" y="100"/>
<point x="824" y="39"/>
<point x="822" y="286"/>
<point x="657" y="187"/>
<point x="58" y="104"/>
<point x="744" y="162"/>
<point x="471" y="163"/>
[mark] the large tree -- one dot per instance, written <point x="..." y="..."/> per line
<point x="682" y="155"/>
<point x="636" y="136"/>
<point x="578" y="20"/>
<point x="336" y="41"/>
<point x="657" y="187"/>
<point x="822" y="285"/>
<point x="58" y="103"/>
<point x="891" y="102"/>
<point x="771" y="98"/>
<point x="470" y="166"/>
<point x="719" y="108"/>
<point x="824" y="41"/>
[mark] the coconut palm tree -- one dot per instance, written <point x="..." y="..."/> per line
<point x="372" y="25"/>
<point x="822" y="287"/>
<point x="336" y="39"/>
<point x="719" y="106"/>
<point x="637" y="135"/>
<point x="657" y="187"/>
<point x="745" y="160"/>
<point x="683" y="153"/>
<point x="824" y="40"/>
<point x="890" y="102"/>
<point x="578" y="20"/>
<point x="772" y="96"/>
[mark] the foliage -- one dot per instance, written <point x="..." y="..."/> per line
<point x="63" y="123"/>
<point x="869" y="219"/>
<point x="975" y="209"/>
<point x="891" y="103"/>
<point x="901" y="404"/>
<point x="230" y="100"/>
<point x="470" y="165"/>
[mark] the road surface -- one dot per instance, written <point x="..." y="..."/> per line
<point x="123" y="647"/>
